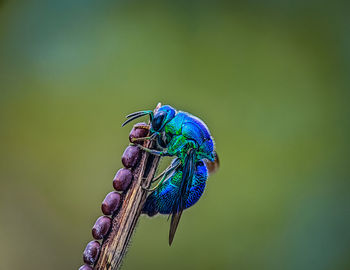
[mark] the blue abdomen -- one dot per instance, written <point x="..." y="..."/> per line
<point x="163" y="198"/>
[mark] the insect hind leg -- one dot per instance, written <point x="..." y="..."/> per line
<point x="166" y="174"/>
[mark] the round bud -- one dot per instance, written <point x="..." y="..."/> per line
<point x="138" y="131"/>
<point x="131" y="156"/>
<point x="91" y="252"/>
<point x="85" y="267"/>
<point x="101" y="227"/>
<point x="122" y="179"/>
<point x="111" y="203"/>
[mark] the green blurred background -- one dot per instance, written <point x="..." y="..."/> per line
<point x="271" y="80"/>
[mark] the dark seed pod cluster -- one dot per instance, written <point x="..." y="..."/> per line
<point x="101" y="227"/>
<point x="113" y="200"/>
<point x="122" y="179"/>
<point x="131" y="156"/>
<point x="139" y="131"/>
<point x="111" y="203"/>
<point x="91" y="252"/>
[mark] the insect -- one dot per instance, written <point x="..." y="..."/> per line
<point x="178" y="132"/>
<point x="186" y="137"/>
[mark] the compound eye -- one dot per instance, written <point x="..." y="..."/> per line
<point x="158" y="120"/>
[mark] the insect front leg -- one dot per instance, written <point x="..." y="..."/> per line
<point x="152" y="137"/>
<point x="152" y="151"/>
<point x="147" y="127"/>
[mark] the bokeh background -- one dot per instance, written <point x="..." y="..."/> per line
<point x="271" y="80"/>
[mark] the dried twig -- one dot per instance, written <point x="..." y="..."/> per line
<point x="115" y="245"/>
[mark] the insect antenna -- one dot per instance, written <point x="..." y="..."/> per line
<point x="136" y="115"/>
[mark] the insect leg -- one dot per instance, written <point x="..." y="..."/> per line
<point x="152" y="151"/>
<point x="143" y="126"/>
<point x="175" y="164"/>
<point x="166" y="174"/>
<point x="140" y="139"/>
<point x="152" y="137"/>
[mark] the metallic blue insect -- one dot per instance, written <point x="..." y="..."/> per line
<point x="187" y="137"/>
<point x="177" y="133"/>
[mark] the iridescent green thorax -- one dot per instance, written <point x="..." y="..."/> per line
<point x="185" y="132"/>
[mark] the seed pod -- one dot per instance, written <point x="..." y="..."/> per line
<point x="138" y="131"/>
<point x="131" y="156"/>
<point x="85" y="267"/>
<point x="91" y="252"/>
<point x="122" y="179"/>
<point x="101" y="227"/>
<point x="111" y="203"/>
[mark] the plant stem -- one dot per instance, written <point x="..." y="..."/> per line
<point x="115" y="245"/>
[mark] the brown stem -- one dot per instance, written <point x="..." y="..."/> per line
<point x="115" y="245"/>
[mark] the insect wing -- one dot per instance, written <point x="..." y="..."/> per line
<point x="175" y="219"/>
<point x="180" y="203"/>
